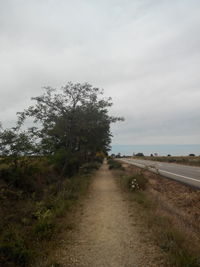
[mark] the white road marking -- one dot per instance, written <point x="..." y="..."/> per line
<point x="182" y="176"/>
<point x="185" y="177"/>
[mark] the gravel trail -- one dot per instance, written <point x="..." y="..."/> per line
<point x="108" y="234"/>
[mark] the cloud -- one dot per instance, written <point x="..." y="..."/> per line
<point x="144" y="53"/>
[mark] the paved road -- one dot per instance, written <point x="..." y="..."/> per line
<point x="186" y="174"/>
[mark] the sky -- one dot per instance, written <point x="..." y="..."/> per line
<point x="145" y="54"/>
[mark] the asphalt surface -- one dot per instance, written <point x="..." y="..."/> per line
<point x="186" y="174"/>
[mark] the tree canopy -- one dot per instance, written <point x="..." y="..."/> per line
<point x="72" y="123"/>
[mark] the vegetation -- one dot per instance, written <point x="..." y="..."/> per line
<point x="188" y="160"/>
<point x="29" y="219"/>
<point x="45" y="167"/>
<point x="134" y="182"/>
<point x="139" y="154"/>
<point x="70" y="125"/>
<point x="113" y="164"/>
<point x="171" y="238"/>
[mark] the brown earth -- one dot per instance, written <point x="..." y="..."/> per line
<point x="174" y="199"/>
<point x="109" y="232"/>
<point x="178" y="198"/>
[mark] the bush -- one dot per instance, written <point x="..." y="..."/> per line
<point x="113" y="164"/>
<point x="44" y="228"/>
<point x="139" y="154"/>
<point x="21" y="177"/>
<point x="136" y="182"/>
<point x="5" y="172"/>
<point x="65" y="163"/>
<point x="13" y="249"/>
<point x="88" y="167"/>
<point x="99" y="157"/>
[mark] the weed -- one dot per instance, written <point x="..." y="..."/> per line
<point x="13" y="248"/>
<point x="113" y="164"/>
<point x="44" y="229"/>
<point x="88" y="167"/>
<point x="135" y="182"/>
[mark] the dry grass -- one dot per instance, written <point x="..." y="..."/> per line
<point x="29" y="223"/>
<point x="171" y="211"/>
<point x="186" y="160"/>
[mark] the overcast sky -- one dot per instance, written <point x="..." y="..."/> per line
<point x="144" y="53"/>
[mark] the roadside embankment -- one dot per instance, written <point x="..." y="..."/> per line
<point x="170" y="211"/>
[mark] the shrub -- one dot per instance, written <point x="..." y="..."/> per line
<point x="139" y="154"/>
<point x="88" y="167"/>
<point x="65" y="163"/>
<point x="136" y="181"/>
<point x="5" y="172"/>
<point x="44" y="229"/>
<point x="13" y="249"/>
<point x="45" y="226"/>
<point x="21" y="177"/>
<point x="113" y="164"/>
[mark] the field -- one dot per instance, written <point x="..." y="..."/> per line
<point x="193" y="160"/>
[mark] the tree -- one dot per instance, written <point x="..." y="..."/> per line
<point x="14" y="144"/>
<point x="139" y="154"/>
<point x="71" y="123"/>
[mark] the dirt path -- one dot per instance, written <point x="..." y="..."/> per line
<point x="108" y="234"/>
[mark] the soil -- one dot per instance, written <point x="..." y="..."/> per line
<point x="179" y="199"/>
<point x="109" y="231"/>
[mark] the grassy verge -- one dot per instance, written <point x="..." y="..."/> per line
<point x="177" y="243"/>
<point x="31" y="221"/>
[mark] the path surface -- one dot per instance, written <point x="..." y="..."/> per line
<point x="108" y="234"/>
<point x="183" y="173"/>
